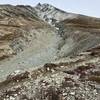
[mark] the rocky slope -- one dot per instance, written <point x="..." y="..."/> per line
<point x="61" y="51"/>
<point x="14" y="24"/>
<point x="78" y="32"/>
<point x="25" y="39"/>
<point x="81" y="32"/>
<point x="76" y="78"/>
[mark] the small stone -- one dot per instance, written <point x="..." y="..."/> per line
<point x="72" y="93"/>
<point x="64" y="94"/>
<point x="15" y="94"/>
<point x="11" y="98"/>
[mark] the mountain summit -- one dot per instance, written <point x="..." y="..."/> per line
<point x="52" y="14"/>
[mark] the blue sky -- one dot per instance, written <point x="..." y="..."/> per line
<point x="86" y="7"/>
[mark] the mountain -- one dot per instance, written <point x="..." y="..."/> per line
<point x="43" y="43"/>
<point x="78" y="32"/>
<point x="24" y="39"/>
<point x="51" y="14"/>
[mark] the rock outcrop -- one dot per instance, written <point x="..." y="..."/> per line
<point x="78" y="32"/>
<point x="51" y="14"/>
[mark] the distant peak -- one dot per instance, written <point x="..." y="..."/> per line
<point x="45" y="5"/>
<point x="39" y="4"/>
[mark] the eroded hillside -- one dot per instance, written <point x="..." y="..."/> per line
<point x="25" y="39"/>
<point x="48" y="54"/>
<point x="81" y="32"/>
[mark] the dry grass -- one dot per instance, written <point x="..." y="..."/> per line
<point x="94" y="78"/>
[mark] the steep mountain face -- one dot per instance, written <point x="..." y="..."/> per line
<point x="21" y="28"/>
<point x="25" y="40"/>
<point x="51" y="14"/>
<point x="15" y="24"/>
<point x="78" y="32"/>
<point x="81" y="33"/>
<point x="29" y="41"/>
<point x="33" y="36"/>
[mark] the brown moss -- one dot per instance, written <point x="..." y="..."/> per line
<point x="80" y="69"/>
<point x="15" y="78"/>
<point x="54" y="94"/>
<point x="94" y="78"/>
